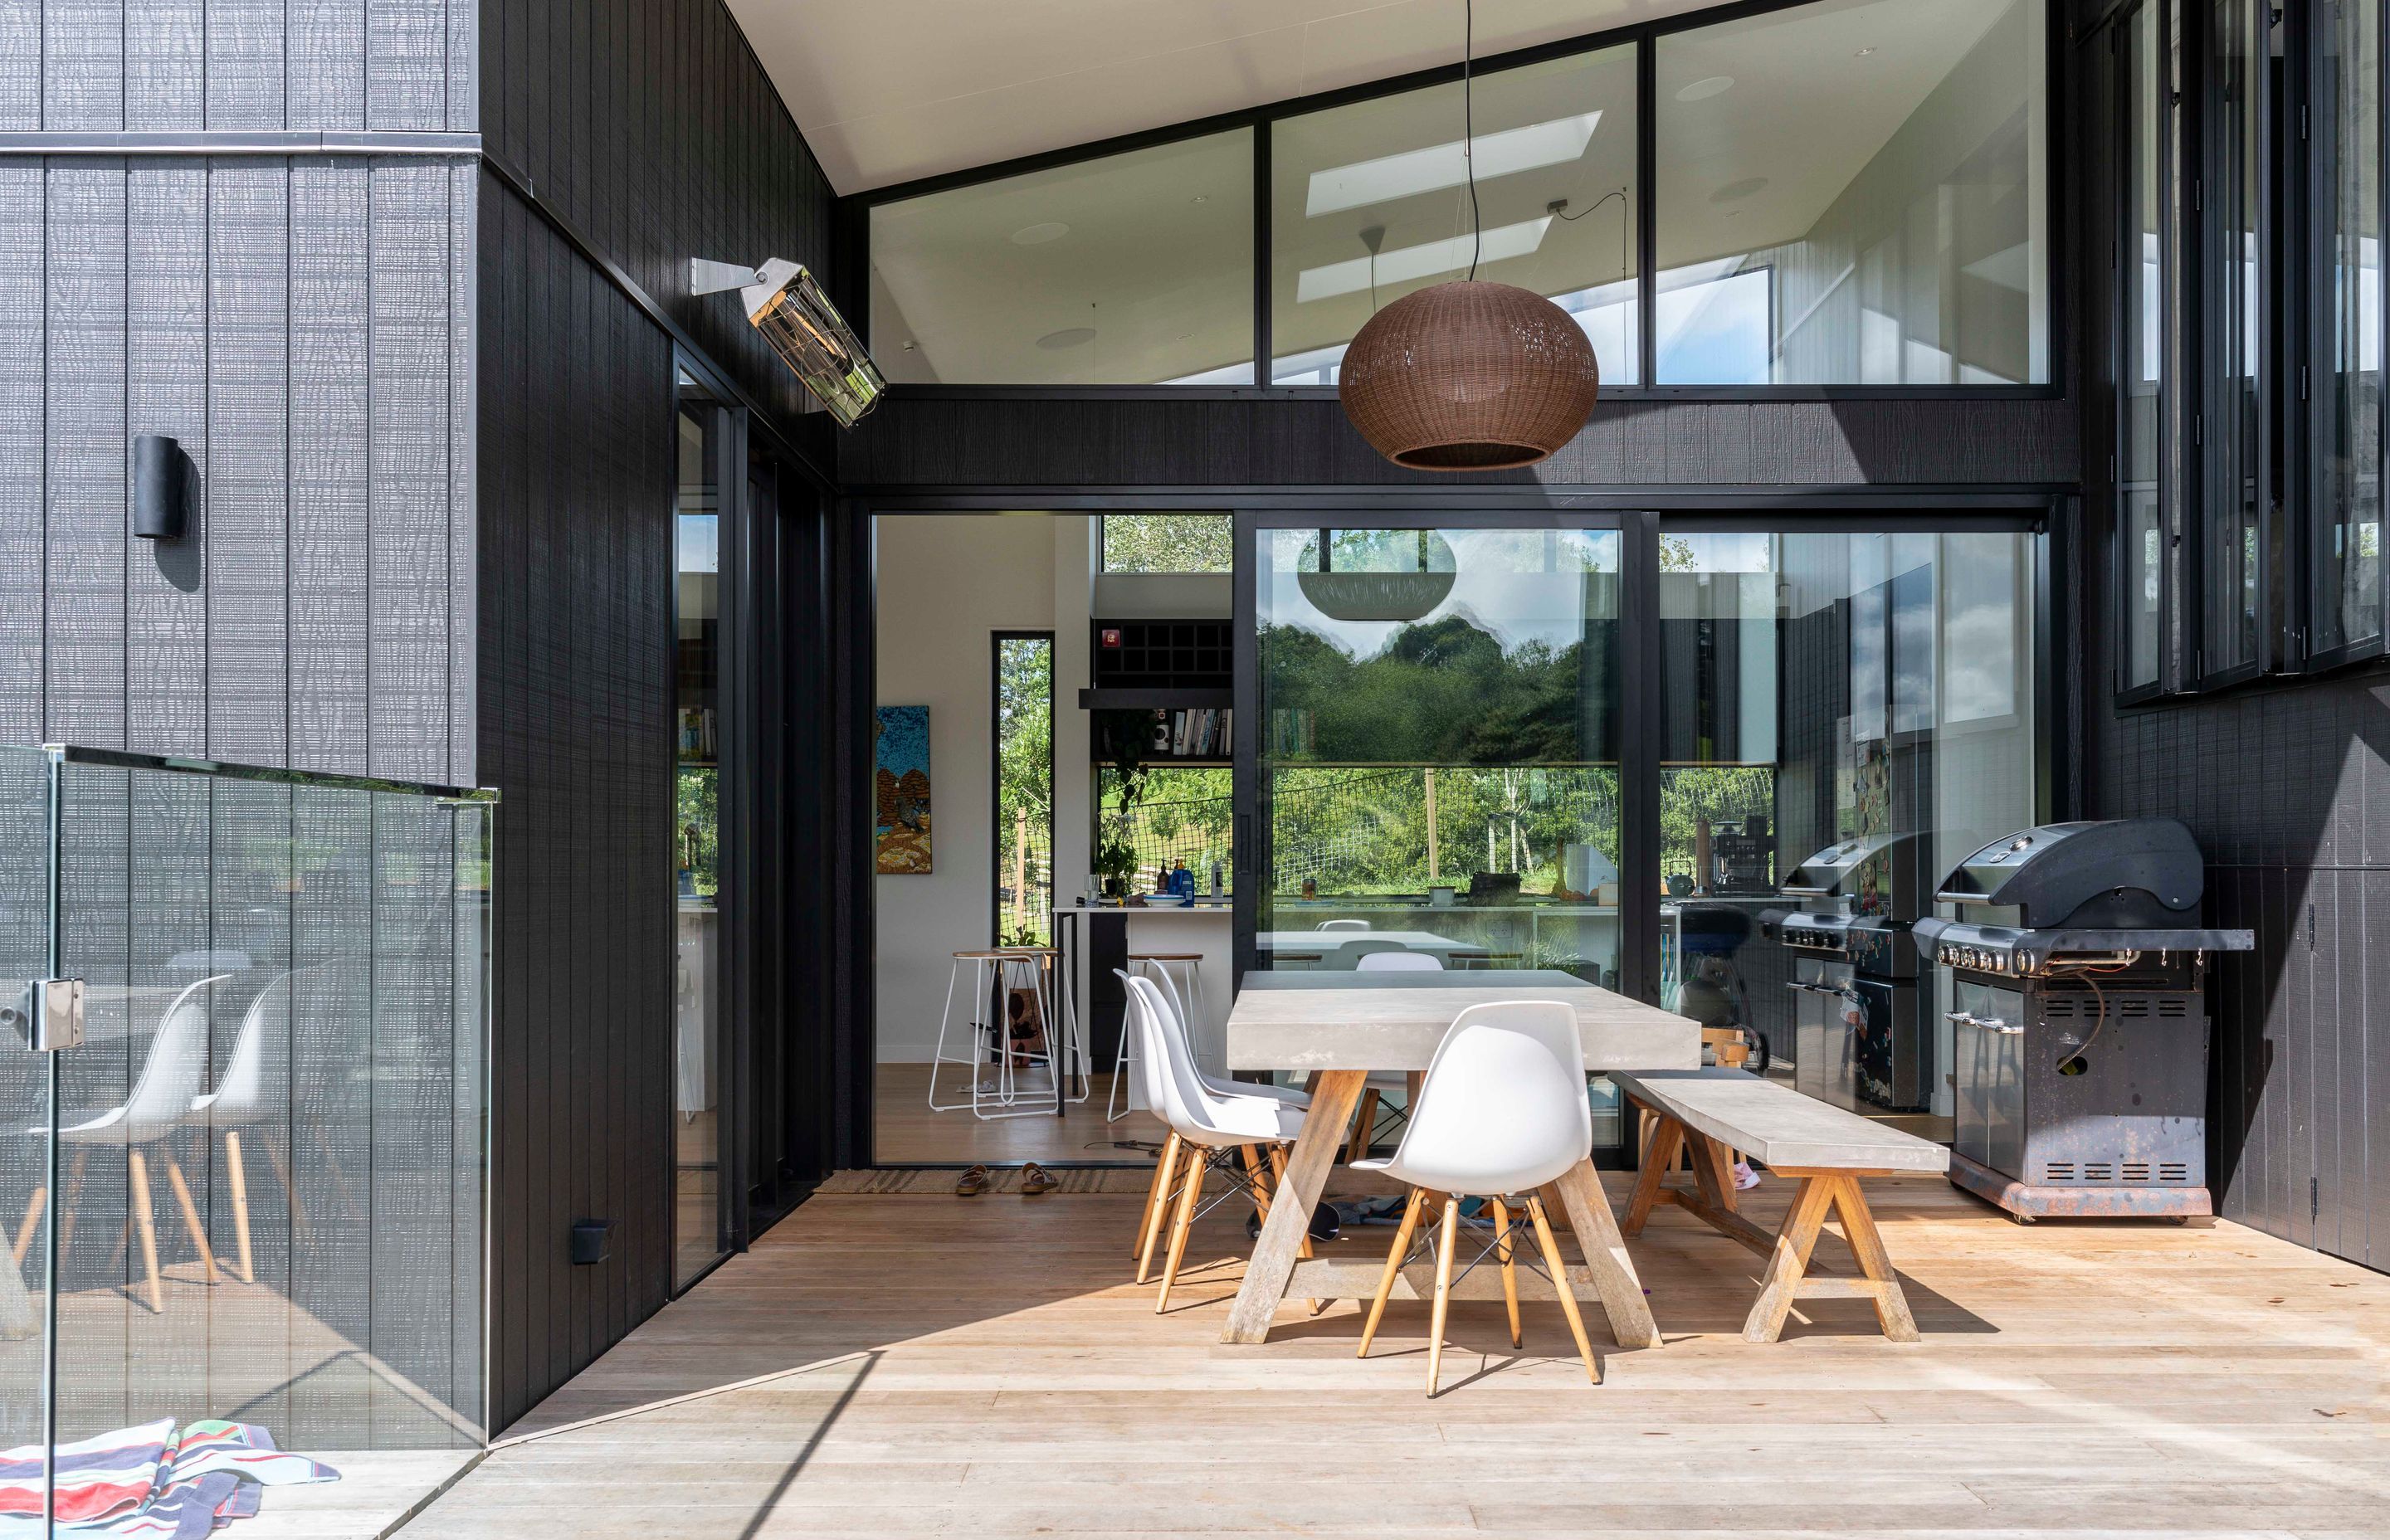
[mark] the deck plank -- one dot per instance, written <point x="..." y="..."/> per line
<point x="997" y="1374"/>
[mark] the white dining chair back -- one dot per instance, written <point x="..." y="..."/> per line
<point x="171" y="1076"/>
<point x="1152" y="1057"/>
<point x="1193" y="1109"/>
<point x="239" y="1096"/>
<point x="1344" y="925"/>
<point x="1174" y="1002"/>
<point x="1397" y="962"/>
<point x="1503" y="1108"/>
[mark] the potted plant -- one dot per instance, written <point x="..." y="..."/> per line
<point x="1124" y="738"/>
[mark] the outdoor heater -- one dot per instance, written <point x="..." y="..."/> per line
<point x="2080" y="1018"/>
<point x="788" y="307"/>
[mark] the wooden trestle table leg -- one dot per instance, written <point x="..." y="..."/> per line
<point x="1333" y="1094"/>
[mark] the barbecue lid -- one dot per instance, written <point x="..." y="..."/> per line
<point x="1834" y="871"/>
<point x="2119" y="873"/>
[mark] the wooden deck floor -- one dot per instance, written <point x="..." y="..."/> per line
<point x="1006" y="1380"/>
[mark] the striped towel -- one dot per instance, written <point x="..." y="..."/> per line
<point x="152" y="1482"/>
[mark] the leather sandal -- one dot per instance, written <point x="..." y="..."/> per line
<point x="974" y="1182"/>
<point x="1035" y="1180"/>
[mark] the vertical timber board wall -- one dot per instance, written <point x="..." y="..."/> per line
<point x="577" y="487"/>
<point x="649" y="126"/>
<point x="303" y="324"/>
<point x="950" y="441"/>
<point x="2286" y="789"/>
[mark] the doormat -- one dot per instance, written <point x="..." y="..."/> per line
<point x="1131" y="1180"/>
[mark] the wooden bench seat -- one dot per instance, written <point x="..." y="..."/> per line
<point x="1708" y="1113"/>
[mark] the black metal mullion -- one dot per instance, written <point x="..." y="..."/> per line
<point x="1639" y="754"/>
<point x="1647" y="227"/>
<point x="1262" y="319"/>
<point x="1248" y="811"/>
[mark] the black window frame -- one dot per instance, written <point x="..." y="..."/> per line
<point x="2223" y="472"/>
<point x="857" y="211"/>
<point x="995" y="640"/>
<point x="2122" y="252"/>
<point x="2297" y="247"/>
<point x="2309" y="44"/>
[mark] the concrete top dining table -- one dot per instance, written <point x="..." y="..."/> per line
<point x="1338" y="1027"/>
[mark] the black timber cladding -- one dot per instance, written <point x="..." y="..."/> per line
<point x="576" y="404"/>
<point x="649" y="135"/>
<point x="648" y="126"/>
<point x="954" y="438"/>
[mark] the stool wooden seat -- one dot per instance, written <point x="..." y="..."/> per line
<point x="1166" y="957"/>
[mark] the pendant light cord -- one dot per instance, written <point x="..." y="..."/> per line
<point x="1468" y="132"/>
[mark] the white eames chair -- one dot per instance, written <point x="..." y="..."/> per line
<point x="169" y="1078"/>
<point x="240" y="1099"/>
<point x="1503" y="1112"/>
<point x="1344" y="925"/>
<point x="1141" y="1244"/>
<point x="1171" y="998"/>
<point x="1209" y="1131"/>
<point x="1365" y="1122"/>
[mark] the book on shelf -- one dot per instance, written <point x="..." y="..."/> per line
<point x="696" y="733"/>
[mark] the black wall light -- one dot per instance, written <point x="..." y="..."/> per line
<point x="158" y="484"/>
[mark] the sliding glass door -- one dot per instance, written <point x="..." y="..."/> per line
<point x="1435" y="747"/>
<point x="708" y="463"/>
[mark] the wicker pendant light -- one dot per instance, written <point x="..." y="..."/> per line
<point x="1468" y="375"/>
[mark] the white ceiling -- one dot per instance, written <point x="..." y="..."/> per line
<point x="887" y="91"/>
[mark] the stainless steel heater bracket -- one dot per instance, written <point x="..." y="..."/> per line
<point x="719" y="277"/>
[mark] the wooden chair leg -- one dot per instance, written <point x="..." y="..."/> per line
<point x="146" y="1222"/>
<point x="1250" y="1156"/>
<point x="1142" y="1240"/>
<point x="1174" y="1152"/>
<point x="1364" y="1122"/>
<point x="1659" y="1153"/>
<point x="25" y="1232"/>
<point x="1788" y="1261"/>
<point x="1867" y="1245"/>
<point x="1190" y="1193"/>
<point x="1502" y="1253"/>
<point x="290" y="1189"/>
<point x="240" y="1204"/>
<point x="1394" y="1265"/>
<point x="1444" y="1248"/>
<point x="191" y="1219"/>
<point x="1560" y="1285"/>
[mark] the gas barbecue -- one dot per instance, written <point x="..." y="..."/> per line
<point x="1855" y="1039"/>
<point x="2081" y="1028"/>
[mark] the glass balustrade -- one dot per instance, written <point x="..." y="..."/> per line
<point x="255" y="1189"/>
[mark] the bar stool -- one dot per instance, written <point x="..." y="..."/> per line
<point x="1062" y="1020"/>
<point x="985" y="977"/>
<point x="1186" y="992"/>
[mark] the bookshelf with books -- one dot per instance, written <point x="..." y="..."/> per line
<point x="1186" y="734"/>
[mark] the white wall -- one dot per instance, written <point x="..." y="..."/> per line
<point x="946" y="583"/>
